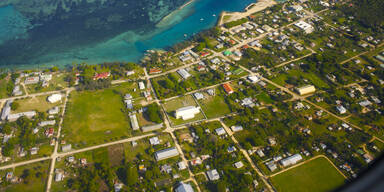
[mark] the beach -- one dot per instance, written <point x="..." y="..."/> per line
<point x="249" y="10"/>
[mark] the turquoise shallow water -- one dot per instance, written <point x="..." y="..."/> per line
<point x="131" y="46"/>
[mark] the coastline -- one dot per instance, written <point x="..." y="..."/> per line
<point x="249" y="10"/>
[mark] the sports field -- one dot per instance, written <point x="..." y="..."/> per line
<point x="95" y="117"/>
<point x="317" y="175"/>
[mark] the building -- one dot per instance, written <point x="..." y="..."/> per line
<point x="66" y="148"/>
<point x="306" y="89"/>
<point x="184" y="73"/>
<point x="186" y="113"/>
<point x="154" y="141"/>
<point x="152" y="127"/>
<point x="227" y="88"/>
<point x="291" y="160"/>
<point x="141" y="85"/>
<point x="31" y="80"/>
<point x="220" y="131"/>
<point x="45" y="123"/>
<point x="154" y="71"/>
<point x="253" y="78"/>
<point x="128" y="73"/>
<point x="183" y="187"/>
<point x="213" y="175"/>
<point x="271" y="165"/>
<point x="103" y="75"/>
<point x="341" y="109"/>
<point x="54" y="111"/>
<point x="237" y="128"/>
<point x="198" y="96"/>
<point x="166" y="153"/>
<point x="16" y="91"/>
<point x="6" y="110"/>
<point x="307" y="28"/>
<point x="15" y="116"/>
<point x="134" y="122"/>
<point x="238" y="165"/>
<point x="54" y="98"/>
<point x="45" y="77"/>
<point x="181" y="165"/>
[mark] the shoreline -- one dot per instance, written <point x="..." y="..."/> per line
<point x="249" y="10"/>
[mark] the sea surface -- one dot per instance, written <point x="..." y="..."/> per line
<point x="26" y="51"/>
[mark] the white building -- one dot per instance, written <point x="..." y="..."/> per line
<point x="237" y="128"/>
<point x="186" y="113"/>
<point x="306" y="89"/>
<point x="220" y="131"/>
<point x="54" y="98"/>
<point x="291" y="160"/>
<point x="6" y="110"/>
<point x="151" y="127"/>
<point x="141" y="85"/>
<point x="306" y="27"/>
<point x="154" y="141"/>
<point x="166" y="153"/>
<point x="213" y="175"/>
<point x="253" y="78"/>
<point x="184" y="73"/>
<point x="45" y="123"/>
<point x="134" y="122"/>
<point x="183" y="187"/>
<point x="341" y="109"/>
<point x="15" y="116"/>
<point x="45" y="77"/>
<point x="54" y="111"/>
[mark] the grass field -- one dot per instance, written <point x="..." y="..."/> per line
<point x="214" y="106"/>
<point x="38" y="103"/>
<point x="35" y="177"/>
<point x="316" y="176"/>
<point x="3" y="88"/>
<point x="172" y="105"/>
<point x="57" y="83"/>
<point x="95" y="117"/>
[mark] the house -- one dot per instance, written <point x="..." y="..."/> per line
<point x="59" y="176"/>
<point x="365" y="103"/>
<point x="341" y="109"/>
<point x="141" y="85"/>
<point x="45" y="123"/>
<point x="103" y="75"/>
<point x="128" y="104"/>
<point x="220" y="131"/>
<point x="186" y="113"/>
<point x="154" y="141"/>
<point x="181" y="165"/>
<point x="128" y="73"/>
<point x="213" y="175"/>
<point x="34" y="150"/>
<point x="295" y="8"/>
<point x="31" y="80"/>
<point x="291" y="160"/>
<point x="271" y="165"/>
<point x="227" y="88"/>
<point x="154" y="71"/>
<point x="260" y="153"/>
<point x="198" y="95"/>
<point x="231" y="149"/>
<point x="66" y="148"/>
<point x="253" y="78"/>
<point x="166" y="153"/>
<point x="183" y="187"/>
<point x="152" y="127"/>
<point x="306" y="89"/>
<point x="236" y="128"/>
<point x="54" y="98"/>
<point x="211" y="92"/>
<point x="49" y="132"/>
<point x="184" y="73"/>
<point x="238" y="165"/>
<point x="307" y="28"/>
<point x="54" y="111"/>
<point x="134" y="122"/>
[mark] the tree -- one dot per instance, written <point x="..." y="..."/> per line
<point x="7" y="129"/>
<point x="153" y="113"/>
<point x="15" y="106"/>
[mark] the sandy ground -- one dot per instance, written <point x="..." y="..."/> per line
<point x="260" y="5"/>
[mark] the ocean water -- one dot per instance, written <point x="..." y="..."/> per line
<point x="129" y="45"/>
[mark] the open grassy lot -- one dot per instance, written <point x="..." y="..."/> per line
<point x="38" y="103"/>
<point x="214" y="106"/>
<point x="3" y="88"/>
<point x="94" y="117"/>
<point x="174" y="104"/>
<point x="316" y="176"/>
<point x="34" y="177"/>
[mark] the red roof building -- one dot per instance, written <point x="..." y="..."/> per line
<point x="103" y="75"/>
<point x="154" y="71"/>
<point x="232" y="42"/>
<point x="203" y="54"/>
<point x="49" y="132"/>
<point x="228" y="89"/>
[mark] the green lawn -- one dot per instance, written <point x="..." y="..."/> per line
<point x="38" y="103"/>
<point x="316" y="176"/>
<point x="35" y="177"/>
<point x="3" y="88"/>
<point x="95" y="117"/>
<point x="214" y="106"/>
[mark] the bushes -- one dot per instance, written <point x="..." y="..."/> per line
<point x="235" y="23"/>
<point x="153" y="113"/>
